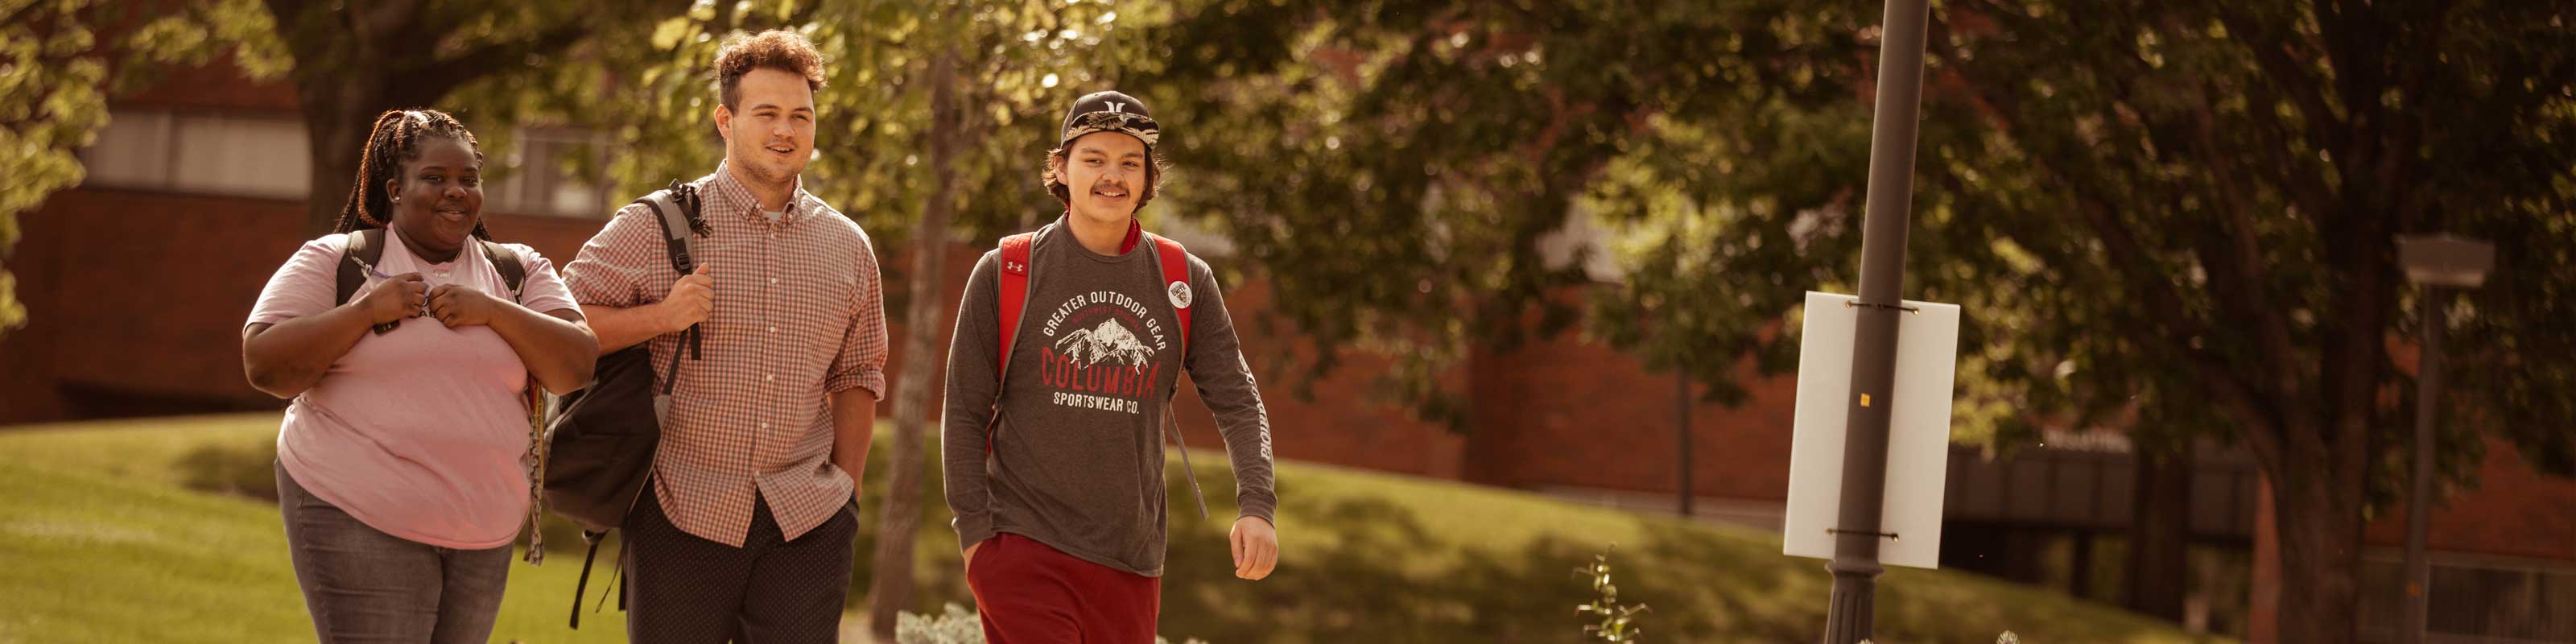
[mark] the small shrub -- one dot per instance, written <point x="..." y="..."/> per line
<point x="2007" y="638"/>
<point x="956" y="625"/>
<point x="239" y="470"/>
<point x="1618" y="622"/>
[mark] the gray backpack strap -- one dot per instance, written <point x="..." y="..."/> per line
<point x="1172" y="425"/>
<point x="676" y="209"/>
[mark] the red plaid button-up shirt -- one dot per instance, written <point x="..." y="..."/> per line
<point x="798" y="315"/>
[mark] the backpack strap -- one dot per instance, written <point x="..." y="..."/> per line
<point x="358" y="252"/>
<point x="506" y="262"/>
<point x="1014" y="290"/>
<point x="676" y="208"/>
<point x="1175" y="264"/>
<point x="365" y="248"/>
<point x="359" y="255"/>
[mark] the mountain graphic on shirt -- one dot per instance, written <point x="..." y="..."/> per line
<point x="1108" y="342"/>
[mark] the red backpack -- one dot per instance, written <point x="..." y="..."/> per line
<point x="1175" y="265"/>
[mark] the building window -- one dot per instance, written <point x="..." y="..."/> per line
<point x="544" y="175"/>
<point x="266" y="157"/>
<point x="252" y="157"/>
<point x="132" y="151"/>
<point x="216" y="154"/>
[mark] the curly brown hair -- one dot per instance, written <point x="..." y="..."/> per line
<point x="778" y="49"/>
<point x="1064" y="194"/>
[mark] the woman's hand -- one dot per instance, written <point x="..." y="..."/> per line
<point x="397" y="297"/>
<point x="458" y="306"/>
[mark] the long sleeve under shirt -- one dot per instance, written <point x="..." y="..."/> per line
<point x="1077" y="461"/>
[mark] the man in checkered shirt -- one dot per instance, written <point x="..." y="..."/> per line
<point x="746" y="532"/>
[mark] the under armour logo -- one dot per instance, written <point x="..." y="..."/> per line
<point x="1116" y="107"/>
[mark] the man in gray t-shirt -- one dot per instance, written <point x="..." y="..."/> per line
<point x="1053" y="442"/>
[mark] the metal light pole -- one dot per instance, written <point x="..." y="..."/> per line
<point x="1882" y="280"/>
<point x="2432" y="262"/>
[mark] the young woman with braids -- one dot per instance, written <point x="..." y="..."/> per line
<point x="401" y="468"/>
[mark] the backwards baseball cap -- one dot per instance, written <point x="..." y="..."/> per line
<point x="1110" y="111"/>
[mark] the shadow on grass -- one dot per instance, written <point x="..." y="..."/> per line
<point x="1385" y="576"/>
<point x="1368" y="568"/>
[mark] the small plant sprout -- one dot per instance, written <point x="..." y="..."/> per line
<point x="1618" y="622"/>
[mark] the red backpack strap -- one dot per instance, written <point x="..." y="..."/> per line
<point x="1176" y="283"/>
<point x="1015" y="300"/>
<point x="1175" y="263"/>
<point x="1014" y="291"/>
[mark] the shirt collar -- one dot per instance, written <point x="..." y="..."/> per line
<point x="399" y="255"/>
<point x="731" y="194"/>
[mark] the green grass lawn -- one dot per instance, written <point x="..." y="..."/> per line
<point x="108" y="536"/>
<point x="103" y="543"/>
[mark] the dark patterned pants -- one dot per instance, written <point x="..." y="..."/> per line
<point x="688" y="590"/>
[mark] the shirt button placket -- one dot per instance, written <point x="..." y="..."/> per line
<point x="769" y="381"/>
<point x="771" y="344"/>
<point x="762" y="440"/>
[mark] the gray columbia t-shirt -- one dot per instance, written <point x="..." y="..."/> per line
<point x="1077" y="461"/>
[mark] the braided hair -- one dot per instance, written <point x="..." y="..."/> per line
<point x="395" y="139"/>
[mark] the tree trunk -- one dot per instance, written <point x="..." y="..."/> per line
<point x="2320" y="541"/>
<point x="2079" y="580"/>
<point x="337" y="116"/>
<point x="890" y="591"/>
<point x="2160" y="533"/>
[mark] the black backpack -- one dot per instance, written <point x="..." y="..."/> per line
<point x="603" y="437"/>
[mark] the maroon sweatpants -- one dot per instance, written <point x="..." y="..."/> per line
<point x="1029" y="593"/>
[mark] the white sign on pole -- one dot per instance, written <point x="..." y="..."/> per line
<point x="1918" y="432"/>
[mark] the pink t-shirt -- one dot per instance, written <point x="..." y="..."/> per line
<point x="420" y="432"/>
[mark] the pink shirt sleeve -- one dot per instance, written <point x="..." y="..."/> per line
<point x="542" y="290"/>
<point x="305" y="286"/>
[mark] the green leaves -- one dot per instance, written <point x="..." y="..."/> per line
<point x="873" y="108"/>
<point x="52" y="102"/>
<point x="666" y="36"/>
